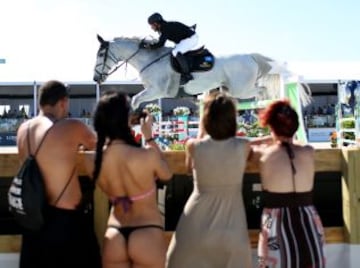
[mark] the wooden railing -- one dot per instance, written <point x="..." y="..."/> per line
<point x="346" y="161"/>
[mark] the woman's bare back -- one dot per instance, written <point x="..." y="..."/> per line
<point x="276" y="171"/>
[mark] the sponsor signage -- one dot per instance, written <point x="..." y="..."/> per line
<point x="320" y="134"/>
<point x="8" y="138"/>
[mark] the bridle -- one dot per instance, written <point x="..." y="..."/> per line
<point x="109" y="54"/>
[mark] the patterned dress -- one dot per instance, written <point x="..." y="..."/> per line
<point x="292" y="235"/>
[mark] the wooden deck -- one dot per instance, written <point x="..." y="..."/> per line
<point x="12" y="243"/>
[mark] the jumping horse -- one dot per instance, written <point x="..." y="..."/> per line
<point x="243" y="75"/>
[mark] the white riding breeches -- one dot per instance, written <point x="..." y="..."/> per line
<point x="186" y="45"/>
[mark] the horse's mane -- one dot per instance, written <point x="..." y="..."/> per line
<point x="136" y="39"/>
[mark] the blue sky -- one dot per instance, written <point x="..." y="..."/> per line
<point x="46" y="39"/>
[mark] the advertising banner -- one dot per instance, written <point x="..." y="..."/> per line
<point x="8" y="139"/>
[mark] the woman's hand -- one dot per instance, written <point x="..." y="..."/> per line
<point x="146" y="126"/>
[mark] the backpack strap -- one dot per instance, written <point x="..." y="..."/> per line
<point x="37" y="150"/>
<point x="41" y="142"/>
<point x="28" y="139"/>
<point x="65" y="187"/>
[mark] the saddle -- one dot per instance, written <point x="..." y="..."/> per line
<point x="199" y="60"/>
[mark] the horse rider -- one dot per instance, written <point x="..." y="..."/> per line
<point x="182" y="35"/>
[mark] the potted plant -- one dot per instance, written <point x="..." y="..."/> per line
<point x="253" y="130"/>
<point x="182" y="114"/>
<point x="153" y="108"/>
<point x="177" y="146"/>
<point x="333" y="139"/>
<point x="181" y="111"/>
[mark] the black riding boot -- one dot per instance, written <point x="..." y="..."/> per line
<point x="185" y="70"/>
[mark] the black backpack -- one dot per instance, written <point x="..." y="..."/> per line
<point x="27" y="195"/>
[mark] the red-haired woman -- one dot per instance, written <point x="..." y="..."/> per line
<point x="291" y="229"/>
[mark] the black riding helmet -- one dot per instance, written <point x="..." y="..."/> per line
<point x="155" y="18"/>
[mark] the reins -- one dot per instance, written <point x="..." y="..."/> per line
<point x="113" y="57"/>
<point x="152" y="62"/>
<point x="123" y="62"/>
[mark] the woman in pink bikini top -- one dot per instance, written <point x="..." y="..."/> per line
<point x="126" y="172"/>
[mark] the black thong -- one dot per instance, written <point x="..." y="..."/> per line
<point x="127" y="230"/>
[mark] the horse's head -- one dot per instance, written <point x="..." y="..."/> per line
<point x="105" y="61"/>
<point x="111" y="53"/>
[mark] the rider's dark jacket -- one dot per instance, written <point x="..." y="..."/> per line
<point x="173" y="31"/>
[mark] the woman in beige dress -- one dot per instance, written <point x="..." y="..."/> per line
<point x="212" y="230"/>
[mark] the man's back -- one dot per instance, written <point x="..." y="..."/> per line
<point x="57" y="155"/>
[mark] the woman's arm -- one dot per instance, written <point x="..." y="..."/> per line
<point x="262" y="140"/>
<point x="255" y="153"/>
<point x="162" y="168"/>
<point x="189" y="152"/>
<point x="201" y="132"/>
<point x="88" y="158"/>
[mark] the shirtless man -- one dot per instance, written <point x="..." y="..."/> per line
<point x="67" y="239"/>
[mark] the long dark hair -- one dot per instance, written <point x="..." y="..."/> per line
<point x="111" y="121"/>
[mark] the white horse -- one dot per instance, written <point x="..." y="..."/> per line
<point x="244" y="75"/>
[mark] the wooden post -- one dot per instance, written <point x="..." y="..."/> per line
<point x="350" y="184"/>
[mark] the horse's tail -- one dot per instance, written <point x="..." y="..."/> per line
<point x="304" y="93"/>
<point x="271" y="76"/>
<point x="266" y="77"/>
<point x="261" y="57"/>
<point x="274" y="83"/>
<point x="264" y="64"/>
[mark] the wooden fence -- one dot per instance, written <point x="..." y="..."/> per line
<point x="346" y="161"/>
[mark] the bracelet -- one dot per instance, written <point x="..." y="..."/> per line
<point x="149" y="140"/>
